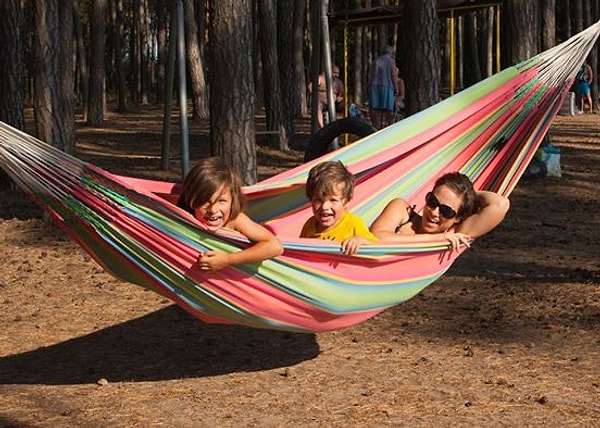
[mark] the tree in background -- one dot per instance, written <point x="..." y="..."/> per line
<point x="11" y="72"/>
<point x="421" y="51"/>
<point x="97" y="63"/>
<point x="195" y="63"/>
<point x="274" y="106"/>
<point x="53" y="73"/>
<point x="231" y="96"/>
<point x="520" y="34"/>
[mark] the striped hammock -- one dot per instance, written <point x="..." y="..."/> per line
<point x="490" y="132"/>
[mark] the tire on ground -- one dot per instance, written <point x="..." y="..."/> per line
<point x="321" y="142"/>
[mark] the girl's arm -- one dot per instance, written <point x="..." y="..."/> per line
<point x="492" y="209"/>
<point x="265" y="245"/>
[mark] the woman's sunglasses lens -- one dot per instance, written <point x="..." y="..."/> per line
<point x="432" y="202"/>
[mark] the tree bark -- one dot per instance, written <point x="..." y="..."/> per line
<point x="97" y="67"/>
<point x="298" y="62"/>
<point x="195" y="63"/>
<point x="82" y="64"/>
<point x="521" y="32"/>
<point x="274" y="107"/>
<point x="51" y="94"/>
<point x="548" y="24"/>
<point x="287" y="72"/>
<point x="231" y="96"/>
<point x="422" y="55"/>
<point x="11" y="72"/>
<point x="66" y="77"/>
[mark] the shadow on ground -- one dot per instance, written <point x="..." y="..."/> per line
<point x="164" y="345"/>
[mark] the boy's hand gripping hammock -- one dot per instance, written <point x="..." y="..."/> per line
<point x="489" y="132"/>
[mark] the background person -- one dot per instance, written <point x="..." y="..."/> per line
<point x="583" y="87"/>
<point x="383" y="88"/>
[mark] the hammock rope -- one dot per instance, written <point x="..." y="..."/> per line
<point x="489" y="131"/>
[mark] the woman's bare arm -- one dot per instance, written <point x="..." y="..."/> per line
<point x="395" y="213"/>
<point x="492" y="209"/>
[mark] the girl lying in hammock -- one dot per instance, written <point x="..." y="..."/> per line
<point x="453" y="211"/>
<point x="212" y="192"/>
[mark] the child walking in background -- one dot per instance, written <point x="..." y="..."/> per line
<point x="212" y="192"/>
<point x="329" y="188"/>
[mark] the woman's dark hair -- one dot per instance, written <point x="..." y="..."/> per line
<point x="206" y="178"/>
<point x="463" y="187"/>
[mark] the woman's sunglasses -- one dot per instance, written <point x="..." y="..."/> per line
<point x="433" y="203"/>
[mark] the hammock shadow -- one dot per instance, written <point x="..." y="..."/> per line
<point x="166" y="344"/>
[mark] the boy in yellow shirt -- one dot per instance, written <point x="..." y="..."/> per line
<point x="329" y="188"/>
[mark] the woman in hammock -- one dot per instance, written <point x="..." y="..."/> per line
<point x="212" y="192"/>
<point x="453" y="211"/>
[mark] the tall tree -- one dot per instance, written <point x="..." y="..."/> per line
<point x="119" y="44"/>
<point x="97" y="63"/>
<point x="287" y="70"/>
<point x="548" y="24"/>
<point x="274" y="107"/>
<point x="231" y="96"/>
<point x="195" y="63"/>
<point x="82" y="63"/>
<point x="520" y="35"/>
<point x="162" y="20"/>
<point x="299" y="82"/>
<point x="11" y="72"/>
<point x="422" y="55"/>
<point x="53" y="96"/>
<point x="66" y="73"/>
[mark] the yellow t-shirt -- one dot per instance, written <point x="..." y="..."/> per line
<point x="350" y="225"/>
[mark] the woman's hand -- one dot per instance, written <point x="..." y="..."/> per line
<point x="457" y="239"/>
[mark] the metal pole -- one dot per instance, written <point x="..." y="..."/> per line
<point x="185" y="145"/>
<point x="452" y="52"/>
<point x="327" y="60"/>
<point x="169" y="92"/>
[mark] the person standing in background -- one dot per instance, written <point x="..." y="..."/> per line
<point x="338" y="94"/>
<point x="583" y="87"/>
<point x="383" y="88"/>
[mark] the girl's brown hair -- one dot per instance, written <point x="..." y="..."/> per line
<point x="206" y="178"/>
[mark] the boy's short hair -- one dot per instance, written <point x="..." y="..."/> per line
<point x="324" y="176"/>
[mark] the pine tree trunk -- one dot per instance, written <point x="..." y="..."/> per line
<point x="195" y="63"/>
<point x="422" y="55"/>
<point x="97" y="70"/>
<point x="520" y="30"/>
<point x="11" y="77"/>
<point x="232" y="88"/>
<point x="274" y="107"/>
<point x="51" y="96"/>
<point x="548" y="24"/>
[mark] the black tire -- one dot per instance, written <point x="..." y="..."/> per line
<point x="321" y="142"/>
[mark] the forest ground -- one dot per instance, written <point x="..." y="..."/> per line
<point x="509" y="336"/>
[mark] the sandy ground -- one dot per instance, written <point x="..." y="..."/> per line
<point x="510" y="336"/>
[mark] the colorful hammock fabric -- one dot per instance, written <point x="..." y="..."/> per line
<point x="489" y="132"/>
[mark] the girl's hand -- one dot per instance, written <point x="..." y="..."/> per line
<point x="213" y="260"/>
